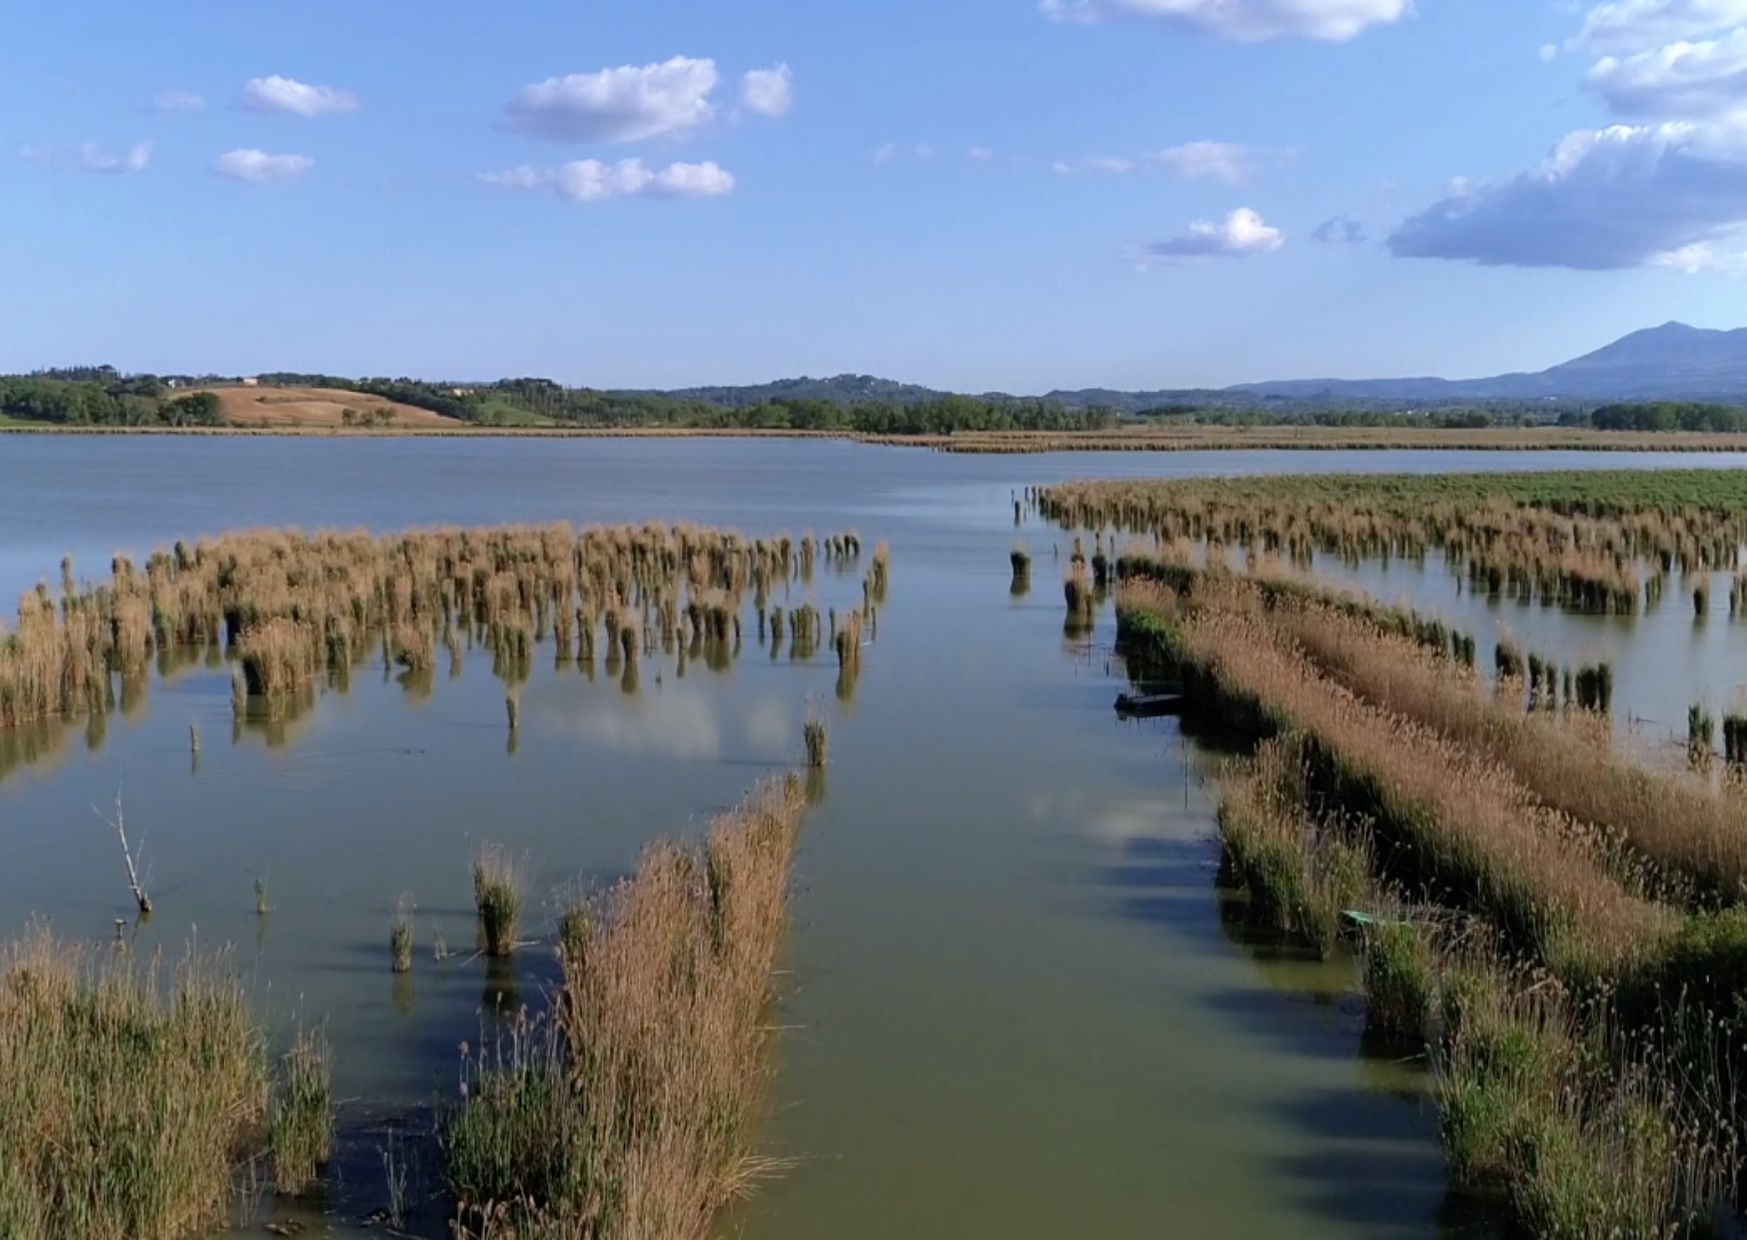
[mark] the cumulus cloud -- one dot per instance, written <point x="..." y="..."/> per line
<point x="178" y="101"/>
<point x="1604" y="199"/>
<point x="1631" y="25"/>
<point x="1675" y="80"/>
<point x="254" y="167"/>
<point x="885" y="152"/>
<point x="90" y="157"/>
<point x="1243" y="20"/>
<point x="288" y="95"/>
<point x="591" y="180"/>
<point x="1238" y="235"/>
<point x="628" y="104"/>
<point x="980" y="154"/>
<point x="1341" y="230"/>
<point x="768" y="92"/>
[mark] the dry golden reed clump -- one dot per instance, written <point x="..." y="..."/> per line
<point x="631" y="1112"/>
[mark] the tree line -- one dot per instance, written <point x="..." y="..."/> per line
<point x="100" y="396"/>
<point x="1668" y="415"/>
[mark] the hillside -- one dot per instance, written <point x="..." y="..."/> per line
<point x="1670" y="362"/>
<point x="319" y="406"/>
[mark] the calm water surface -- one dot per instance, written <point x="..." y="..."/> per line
<point x="1017" y="1005"/>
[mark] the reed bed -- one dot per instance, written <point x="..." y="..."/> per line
<point x="132" y="1093"/>
<point x="1452" y="822"/>
<point x="1585" y="541"/>
<point x="497" y="898"/>
<point x="1691" y="830"/>
<point x="1593" y="1088"/>
<point x="300" y="1126"/>
<point x="630" y="1112"/>
<point x="292" y="606"/>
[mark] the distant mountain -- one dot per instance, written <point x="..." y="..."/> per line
<point x="1671" y="362"/>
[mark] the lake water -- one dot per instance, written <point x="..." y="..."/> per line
<point x="1017" y="1005"/>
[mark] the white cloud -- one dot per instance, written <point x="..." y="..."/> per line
<point x="768" y="92"/>
<point x="1605" y="199"/>
<point x="924" y="152"/>
<point x="1239" y="234"/>
<point x="90" y="157"/>
<point x="1225" y="162"/>
<point x="1701" y="257"/>
<point x="1243" y="20"/>
<point x="626" y="104"/>
<point x="283" y="94"/>
<point x="1631" y="25"/>
<point x="254" y="167"/>
<point x="885" y="153"/>
<point x="979" y="154"/>
<point x="1205" y="161"/>
<point x="1675" y="80"/>
<point x="178" y="101"/>
<point x="591" y="180"/>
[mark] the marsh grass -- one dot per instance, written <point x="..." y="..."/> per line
<point x="131" y="1092"/>
<point x="300" y="1130"/>
<point x="400" y="935"/>
<point x="818" y="743"/>
<point x="497" y="897"/>
<point x="1398" y="978"/>
<point x="630" y="1110"/>
<point x="1301" y="874"/>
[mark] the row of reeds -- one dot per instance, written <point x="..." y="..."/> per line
<point x="293" y="606"/>
<point x="1607" y="1093"/>
<point x="1696" y="837"/>
<point x="1581" y="542"/>
<point x="629" y="1112"/>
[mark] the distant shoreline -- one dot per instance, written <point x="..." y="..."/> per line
<point x="1175" y="439"/>
<point x="1201" y="439"/>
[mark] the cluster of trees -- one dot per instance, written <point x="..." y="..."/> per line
<point x="1442" y="419"/>
<point x="100" y="396"/>
<point x="1665" y="415"/>
<point x="592" y="407"/>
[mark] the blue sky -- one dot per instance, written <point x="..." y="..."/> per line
<point x="973" y="194"/>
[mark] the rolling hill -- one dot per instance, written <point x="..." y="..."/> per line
<point x="319" y="407"/>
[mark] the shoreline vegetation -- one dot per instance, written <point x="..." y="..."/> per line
<point x="630" y="1110"/>
<point x="145" y="1100"/>
<point x="1191" y="438"/>
<point x="1561" y="928"/>
<point x="294" y="613"/>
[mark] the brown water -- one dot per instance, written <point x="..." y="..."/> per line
<point x="1018" y="1005"/>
